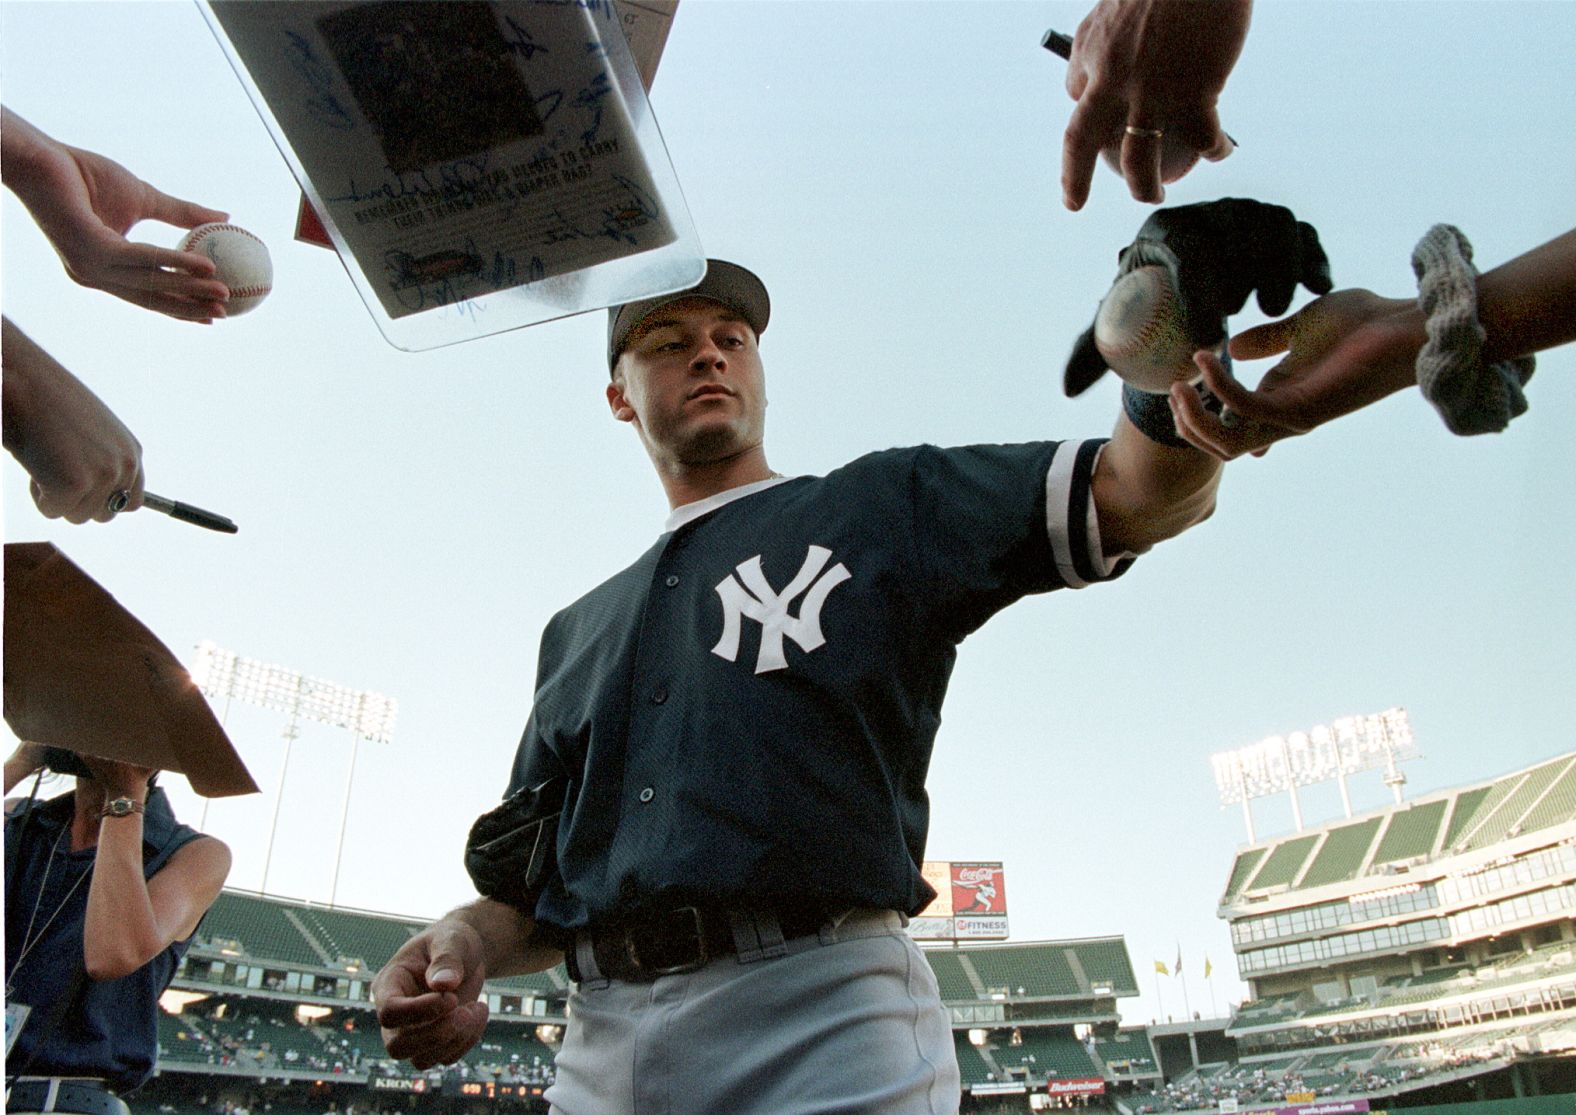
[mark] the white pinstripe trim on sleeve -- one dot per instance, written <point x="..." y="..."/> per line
<point x="1067" y="495"/>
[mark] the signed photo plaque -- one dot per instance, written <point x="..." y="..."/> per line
<point x="480" y="166"/>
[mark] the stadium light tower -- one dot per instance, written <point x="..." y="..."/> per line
<point x="1280" y="764"/>
<point x="366" y="715"/>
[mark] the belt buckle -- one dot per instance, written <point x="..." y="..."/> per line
<point x="695" y="927"/>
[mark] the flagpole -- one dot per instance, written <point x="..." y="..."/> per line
<point x="1161" y="999"/>
<point x="1187" y="1007"/>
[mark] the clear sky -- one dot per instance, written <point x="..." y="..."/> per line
<point x="409" y="522"/>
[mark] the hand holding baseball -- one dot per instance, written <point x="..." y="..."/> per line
<point x="1189" y="268"/>
<point x="86" y="204"/>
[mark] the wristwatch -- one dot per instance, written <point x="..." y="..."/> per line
<point x="121" y="807"/>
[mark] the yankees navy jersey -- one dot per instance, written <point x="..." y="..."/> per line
<point x="746" y="713"/>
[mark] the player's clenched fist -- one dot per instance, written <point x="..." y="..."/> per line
<point x="427" y="995"/>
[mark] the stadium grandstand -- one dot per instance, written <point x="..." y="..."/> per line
<point x="1425" y="951"/>
<point x="1420" y="954"/>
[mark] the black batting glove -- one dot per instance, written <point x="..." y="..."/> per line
<point x="1218" y="253"/>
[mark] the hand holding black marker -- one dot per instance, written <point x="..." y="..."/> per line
<point x="1146" y="76"/>
<point x="185" y="512"/>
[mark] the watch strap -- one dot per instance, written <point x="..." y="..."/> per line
<point x="122" y="807"/>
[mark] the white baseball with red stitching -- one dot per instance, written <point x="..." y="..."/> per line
<point x="1141" y="333"/>
<point x="241" y="260"/>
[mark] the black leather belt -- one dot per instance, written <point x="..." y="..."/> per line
<point x="70" y="1097"/>
<point x="667" y="942"/>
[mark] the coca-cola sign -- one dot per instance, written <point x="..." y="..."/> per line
<point x="978" y="888"/>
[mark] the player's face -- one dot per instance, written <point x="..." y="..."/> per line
<point x="690" y="381"/>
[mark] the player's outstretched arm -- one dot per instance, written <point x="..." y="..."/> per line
<point x="427" y="995"/>
<point x="1145" y="492"/>
<point x="86" y="204"/>
<point x="1349" y="349"/>
<point x="72" y="445"/>
<point x="1146" y="75"/>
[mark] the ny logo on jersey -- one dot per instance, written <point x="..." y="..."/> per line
<point x="756" y="599"/>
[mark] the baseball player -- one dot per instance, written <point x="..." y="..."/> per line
<point x="744" y="717"/>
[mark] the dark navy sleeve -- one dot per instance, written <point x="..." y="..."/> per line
<point x="534" y="761"/>
<point x="994" y="523"/>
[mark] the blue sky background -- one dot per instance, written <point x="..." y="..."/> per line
<point x="409" y="522"/>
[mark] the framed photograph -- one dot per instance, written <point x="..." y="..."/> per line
<point x="480" y="165"/>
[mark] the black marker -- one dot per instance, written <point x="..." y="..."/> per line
<point x="175" y="509"/>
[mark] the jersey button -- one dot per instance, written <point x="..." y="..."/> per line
<point x="647" y="794"/>
<point x="659" y="696"/>
<point x="673" y="579"/>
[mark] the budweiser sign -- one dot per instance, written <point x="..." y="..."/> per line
<point x="1084" y="1086"/>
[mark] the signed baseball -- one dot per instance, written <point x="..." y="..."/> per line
<point x="241" y="260"/>
<point x="1141" y="332"/>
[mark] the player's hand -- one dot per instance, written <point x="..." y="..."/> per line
<point x="1217" y="254"/>
<point x="76" y="451"/>
<point x="1154" y="65"/>
<point x="1343" y="352"/>
<point x="427" y="995"/>
<point x="85" y="204"/>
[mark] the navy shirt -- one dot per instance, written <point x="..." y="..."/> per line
<point x="111" y="1032"/>
<point x="746" y="713"/>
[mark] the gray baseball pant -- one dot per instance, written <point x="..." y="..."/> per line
<point x="850" y="1022"/>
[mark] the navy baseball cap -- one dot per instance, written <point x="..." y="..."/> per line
<point x="736" y="287"/>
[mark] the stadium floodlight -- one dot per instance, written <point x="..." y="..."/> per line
<point x="221" y="673"/>
<point x="1347" y="746"/>
<point x="549" y="1034"/>
<point x="173" y="1000"/>
<point x="366" y="715"/>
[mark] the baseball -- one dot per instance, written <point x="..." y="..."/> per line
<point x="1141" y="333"/>
<point x="242" y="262"/>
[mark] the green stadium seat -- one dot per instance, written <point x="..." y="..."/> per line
<point x="1039" y="970"/>
<point x="351" y="936"/>
<point x="1341" y="854"/>
<point x="260" y="927"/>
<point x="950" y="977"/>
<point x="971" y="1065"/>
<point x="1411" y="832"/>
<point x="1284" y="863"/>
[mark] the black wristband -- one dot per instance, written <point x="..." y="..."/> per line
<point x="1151" y="413"/>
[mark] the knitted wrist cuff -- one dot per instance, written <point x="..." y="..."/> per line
<point x="1473" y="398"/>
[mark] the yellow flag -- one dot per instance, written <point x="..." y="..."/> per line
<point x="1207" y="968"/>
<point x="1160" y="966"/>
